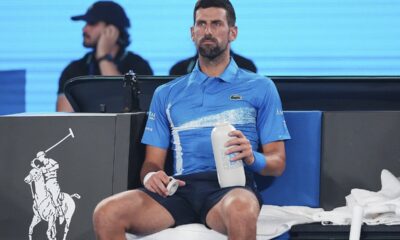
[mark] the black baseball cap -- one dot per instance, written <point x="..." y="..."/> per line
<point x="107" y="11"/>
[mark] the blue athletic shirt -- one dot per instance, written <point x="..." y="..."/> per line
<point x="184" y="111"/>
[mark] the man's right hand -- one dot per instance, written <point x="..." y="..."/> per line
<point x="108" y="39"/>
<point x="158" y="182"/>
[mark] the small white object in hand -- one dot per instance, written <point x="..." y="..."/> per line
<point x="172" y="186"/>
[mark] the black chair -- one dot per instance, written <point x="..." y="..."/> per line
<point x="112" y="94"/>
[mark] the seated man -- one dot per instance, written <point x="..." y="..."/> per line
<point x="182" y="115"/>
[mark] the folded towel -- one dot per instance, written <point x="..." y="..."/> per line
<point x="275" y="220"/>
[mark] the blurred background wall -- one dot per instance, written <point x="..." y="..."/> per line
<point x="282" y="37"/>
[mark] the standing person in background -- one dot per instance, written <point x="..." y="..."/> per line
<point x="106" y="33"/>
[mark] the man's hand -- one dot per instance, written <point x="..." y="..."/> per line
<point x="240" y="146"/>
<point x="158" y="182"/>
<point x="108" y="39"/>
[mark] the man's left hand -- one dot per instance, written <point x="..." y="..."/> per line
<point x="241" y="146"/>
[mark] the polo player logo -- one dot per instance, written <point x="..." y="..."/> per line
<point x="49" y="203"/>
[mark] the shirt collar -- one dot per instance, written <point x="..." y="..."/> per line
<point x="229" y="75"/>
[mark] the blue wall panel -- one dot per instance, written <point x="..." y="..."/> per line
<point x="12" y="91"/>
<point x="283" y="37"/>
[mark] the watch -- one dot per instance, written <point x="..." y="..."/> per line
<point x="107" y="57"/>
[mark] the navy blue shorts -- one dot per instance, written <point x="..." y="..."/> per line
<point x="191" y="203"/>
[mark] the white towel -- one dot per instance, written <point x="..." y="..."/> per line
<point x="274" y="220"/>
<point x="188" y="231"/>
<point x="382" y="207"/>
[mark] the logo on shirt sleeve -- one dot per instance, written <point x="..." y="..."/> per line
<point x="152" y="116"/>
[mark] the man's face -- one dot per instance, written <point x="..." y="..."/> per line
<point x="211" y="32"/>
<point x="91" y="33"/>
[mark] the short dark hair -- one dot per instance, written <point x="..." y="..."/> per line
<point x="124" y="38"/>
<point x="225" y="4"/>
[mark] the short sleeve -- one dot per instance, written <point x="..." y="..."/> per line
<point x="157" y="130"/>
<point x="271" y="122"/>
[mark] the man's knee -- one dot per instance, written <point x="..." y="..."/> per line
<point x="112" y="211"/>
<point x="132" y="211"/>
<point x="241" y="205"/>
<point x="104" y="212"/>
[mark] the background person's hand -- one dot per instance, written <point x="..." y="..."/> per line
<point x="108" y="39"/>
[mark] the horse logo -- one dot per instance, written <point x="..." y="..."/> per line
<point x="49" y="203"/>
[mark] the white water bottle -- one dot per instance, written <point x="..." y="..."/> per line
<point x="230" y="173"/>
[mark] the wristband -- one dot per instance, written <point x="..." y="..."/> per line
<point x="259" y="162"/>
<point x="107" y="57"/>
<point x="147" y="177"/>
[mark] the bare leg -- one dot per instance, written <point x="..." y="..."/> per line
<point x="132" y="211"/>
<point x="235" y="215"/>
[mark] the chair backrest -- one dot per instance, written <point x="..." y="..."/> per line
<point x="112" y="94"/>
<point x="300" y="183"/>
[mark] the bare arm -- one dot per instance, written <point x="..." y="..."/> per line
<point x="274" y="153"/>
<point x="62" y="104"/>
<point x="108" y="45"/>
<point x="154" y="162"/>
<point x="276" y="158"/>
<point x="108" y="68"/>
